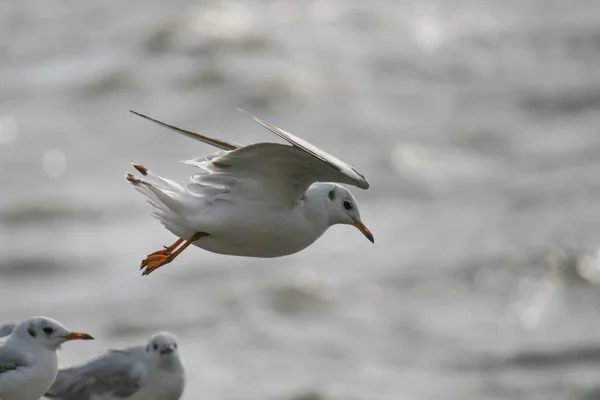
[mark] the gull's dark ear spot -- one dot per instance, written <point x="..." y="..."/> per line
<point x="148" y="349"/>
<point x="31" y="332"/>
<point x="331" y="194"/>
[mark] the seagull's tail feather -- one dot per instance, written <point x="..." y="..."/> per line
<point x="162" y="194"/>
<point x="159" y="180"/>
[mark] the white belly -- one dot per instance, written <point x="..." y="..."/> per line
<point x="256" y="245"/>
<point x="250" y="230"/>
<point x="261" y="237"/>
<point x="161" y="385"/>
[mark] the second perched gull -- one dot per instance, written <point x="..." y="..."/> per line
<point x="28" y="361"/>
<point x="150" y="372"/>
<point x="260" y="200"/>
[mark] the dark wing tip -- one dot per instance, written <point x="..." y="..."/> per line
<point x="146" y="117"/>
<point x="363" y="183"/>
<point x="222" y="144"/>
<point x="356" y="177"/>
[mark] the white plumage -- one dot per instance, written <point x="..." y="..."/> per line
<point x="260" y="200"/>
<point x="150" y="372"/>
<point x="28" y="360"/>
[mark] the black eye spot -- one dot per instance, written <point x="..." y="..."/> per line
<point x="155" y="347"/>
<point x="175" y="345"/>
<point x="347" y="205"/>
<point x="48" y="330"/>
<point x="31" y="332"/>
<point x="331" y="194"/>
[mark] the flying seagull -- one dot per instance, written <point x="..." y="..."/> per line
<point x="260" y="200"/>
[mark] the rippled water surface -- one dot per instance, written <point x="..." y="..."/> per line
<point x="476" y="123"/>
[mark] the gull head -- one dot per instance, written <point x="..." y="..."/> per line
<point x="342" y="208"/>
<point x="47" y="332"/>
<point x="162" y="347"/>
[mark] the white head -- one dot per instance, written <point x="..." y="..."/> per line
<point x="163" y="348"/>
<point x="46" y="332"/>
<point x="342" y="208"/>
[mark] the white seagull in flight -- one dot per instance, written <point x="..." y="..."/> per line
<point x="261" y="200"/>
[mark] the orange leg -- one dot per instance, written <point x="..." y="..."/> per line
<point x="168" y="250"/>
<point x="164" y="252"/>
<point x="162" y="257"/>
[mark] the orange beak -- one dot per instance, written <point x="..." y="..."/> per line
<point x="365" y="231"/>
<point x="79" y="336"/>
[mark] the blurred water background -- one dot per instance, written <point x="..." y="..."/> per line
<point x="476" y="123"/>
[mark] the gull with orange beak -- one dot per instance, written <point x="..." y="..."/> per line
<point x="260" y="200"/>
<point x="28" y="360"/>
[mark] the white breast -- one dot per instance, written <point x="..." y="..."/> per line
<point x="30" y="383"/>
<point x="263" y="232"/>
<point x="161" y="385"/>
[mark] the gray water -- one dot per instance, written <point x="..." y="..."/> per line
<point x="476" y="123"/>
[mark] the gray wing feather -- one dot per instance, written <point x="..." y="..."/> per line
<point x="112" y="374"/>
<point x="265" y="170"/>
<point x="6" y="329"/>
<point x="355" y="177"/>
<point x="222" y="144"/>
<point x="11" y="359"/>
<point x="274" y="171"/>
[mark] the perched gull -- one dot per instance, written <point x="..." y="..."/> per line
<point x="28" y="361"/>
<point x="6" y="329"/>
<point x="151" y="372"/>
<point x="260" y="200"/>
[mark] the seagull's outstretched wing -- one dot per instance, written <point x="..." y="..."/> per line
<point x="276" y="172"/>
<point x="356" y="177"/>
<point x="221" y="144"/>
<point x="117" y="374"/>
<point x="6" y="329"/>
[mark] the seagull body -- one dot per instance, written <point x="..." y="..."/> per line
<point x="28" y="360"/>
<point x="151" y="372"/>
<point x="261" y="200"/>
<point x="229" y="224"/>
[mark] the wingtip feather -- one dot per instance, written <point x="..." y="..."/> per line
<point x="222" y="144"/>
<point x="247" y="114"/>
